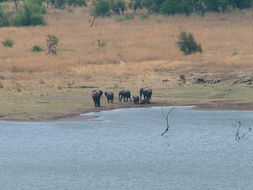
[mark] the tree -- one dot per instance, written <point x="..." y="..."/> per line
<point x="77" y="3"/>
<point x="52" y="42"/>
<point x="60" y="4"/>
<point x="4" y="19"/>
<point x="101" y="8"/>
<point x="118" y="6"/>
<point x="187" y="43"/>
<point x="135" y="5"/>
<point x="30" y="14"/>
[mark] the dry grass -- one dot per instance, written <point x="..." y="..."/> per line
<point x="226" y="39"/>
<point x="137" y="53"/>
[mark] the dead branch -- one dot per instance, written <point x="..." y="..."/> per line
<point x="92" y="21"/>
<point x="166" y="117"/>
<point x="239" y="134"/>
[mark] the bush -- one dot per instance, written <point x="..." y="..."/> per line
<point x="242" y="4"/>
<point x="59" y="4"/>
<point x="187" y="43"/>
<point x="153" y="5"/>
<point x="144" y="16"/>
<point x="30" y="14"/>
<point x="77" y="3"/>
<point x="36" y="48"/>
<point x="8" y="43"/>
<point x="216" y="5"/>
<point x="135" y="4"/>
<point x="52" y="42"/>
<point x="118" y="6"/>
<point x="171" y="7"/>
<point x="4" y="21"/>
<point x="101" y="8"/>
<point x="129" y="17"/>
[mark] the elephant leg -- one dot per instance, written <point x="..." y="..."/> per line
<point x="94" y="100"/>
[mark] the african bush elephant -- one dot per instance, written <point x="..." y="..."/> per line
<point x="146" y="93"/>
<point x="109" y="96"/>
<point x="126" y="94"/>
<point x="96" y="95"/>
<point x="136" y="99"/>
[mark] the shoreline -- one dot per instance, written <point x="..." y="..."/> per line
<point x="213" y="106"/>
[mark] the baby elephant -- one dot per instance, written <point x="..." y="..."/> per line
<point x="136" y="99"/>
<point x="109" y="96"/>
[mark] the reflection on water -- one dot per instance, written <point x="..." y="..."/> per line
<point x="123" y="149"/>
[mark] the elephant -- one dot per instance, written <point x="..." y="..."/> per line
<point x="146" y="93"/>
<point x="96" y="95"/>
<point x="109" y="96"/>
<point x="136" y="99"/>
<point x="126" y="94"/>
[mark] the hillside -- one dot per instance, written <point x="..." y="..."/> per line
<point x="135" y="53"/>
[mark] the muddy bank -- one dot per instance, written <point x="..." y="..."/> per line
<point x="214" y="105"/>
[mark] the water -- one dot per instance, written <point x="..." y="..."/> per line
<point x="123" y="149"/>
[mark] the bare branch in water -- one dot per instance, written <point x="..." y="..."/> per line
<point x="166" y="117"/>
<point x="238" y="126"/>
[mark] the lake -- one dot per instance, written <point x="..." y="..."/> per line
<point x="123" y="150"/>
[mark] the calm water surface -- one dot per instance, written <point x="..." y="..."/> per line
<point x="123" y="149"/>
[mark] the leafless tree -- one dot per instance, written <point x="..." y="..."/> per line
<point x="166" y="117"/>
<point x="238" y="125"/>
<point x="91" y="7"/>
<point x="16" y="4"/>
<point x="92" y="21"/>
<point x="52" y="42"/>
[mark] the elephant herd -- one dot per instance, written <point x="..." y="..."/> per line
<point x="125" y="95"/>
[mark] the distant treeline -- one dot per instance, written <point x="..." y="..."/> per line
<point x="168" y="7"/>
<point x="31" y="12"/>
<point x="171" y="7"/>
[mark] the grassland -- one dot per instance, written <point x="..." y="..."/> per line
<point x="135" y="53"/>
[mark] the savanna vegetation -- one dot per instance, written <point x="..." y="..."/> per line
<point x="129" y="45"/>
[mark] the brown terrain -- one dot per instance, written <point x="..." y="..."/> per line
<point x="132" y="53"/>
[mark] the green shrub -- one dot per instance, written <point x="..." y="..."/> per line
<point x="216" y="5"/>
<point x="187" y="43"/>
<point x="124" y="18"/>
<point x="153" y="5"/>
<point x="144" y="16"/>
<point x="102" y="44"/>
<point x="135" y="4"/>
<point x="129" y="17"/>
<point x="4" y="17"/>
<point x="30" y="14"/>
<point x="101" y="8"/>
<point x="36" y="48"/>
<point x="79" y="3"/>
<point x="118" y="6"/>
<point x="52" y="42"/>
<point x="242" y="4"/>
<point x="59" y="4"/>
<point x="171" y="7"/>
<point x="8" y="43"/>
